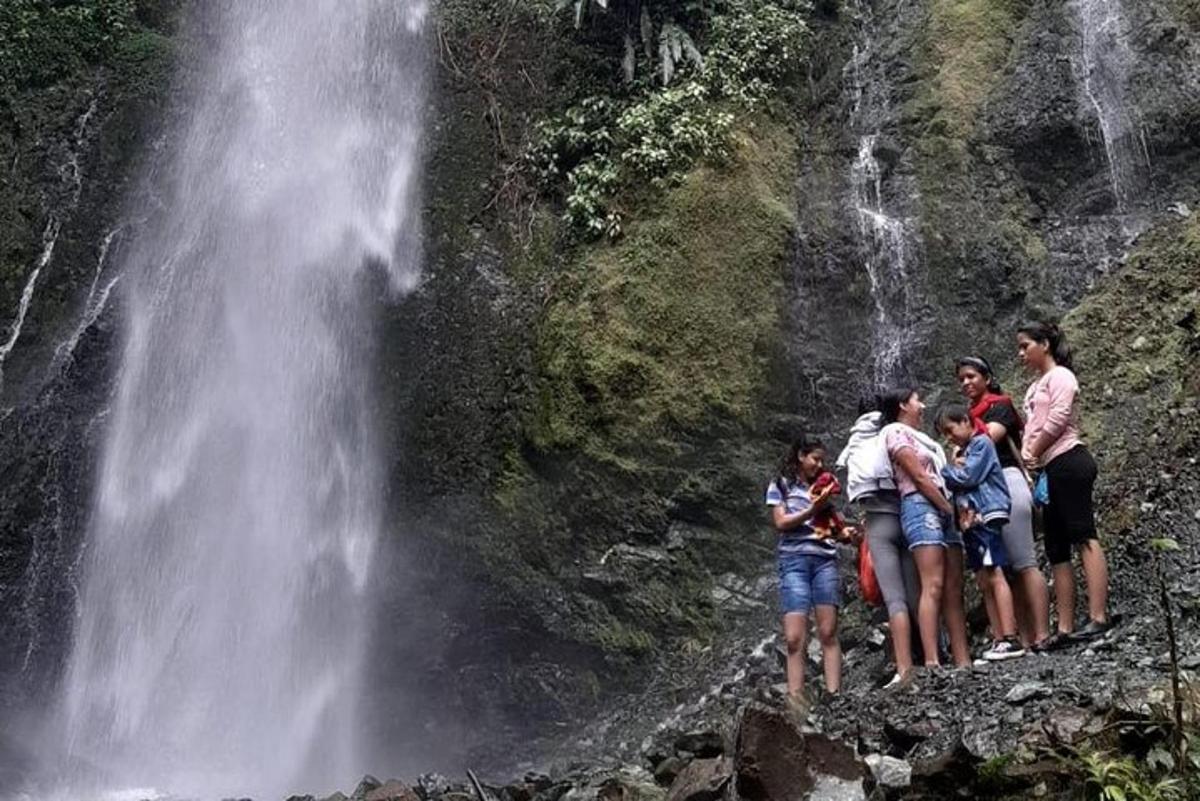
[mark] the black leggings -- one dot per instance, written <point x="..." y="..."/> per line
<point x="1069" y="517"/>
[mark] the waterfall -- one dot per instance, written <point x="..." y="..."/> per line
<point x="1102" y="71"/>
<point x="222" y="616"/>
<point x="887" y="244"/>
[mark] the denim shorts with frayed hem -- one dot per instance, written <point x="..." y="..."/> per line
<point x="808" y="580"/>
<point x="924" y="524"/>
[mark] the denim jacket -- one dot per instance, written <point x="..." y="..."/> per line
<point x="980" y="483"/>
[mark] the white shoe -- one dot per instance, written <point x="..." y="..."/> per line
<point x="1005" y="649"/>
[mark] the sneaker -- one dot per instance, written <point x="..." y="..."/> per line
<point x="1055" y="642"/>
<point x="894" y="682"/>
<point x="1092" y="630"/>
<point x="1004" y="649"/>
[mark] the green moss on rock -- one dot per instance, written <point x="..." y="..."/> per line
<point x="670" y="325"/>
<point x="1136" y="339"/>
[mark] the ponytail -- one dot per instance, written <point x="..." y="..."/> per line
<point x="1053" y="338"/>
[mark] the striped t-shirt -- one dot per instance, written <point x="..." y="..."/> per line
<point x="794" y="498"/>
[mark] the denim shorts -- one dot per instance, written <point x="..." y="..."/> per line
<point x="808" y="580"/>
<point x="924" y="524"/>
<point x="985" y="547"/>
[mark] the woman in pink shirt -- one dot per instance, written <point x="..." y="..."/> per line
<point x="1051" y="443"/>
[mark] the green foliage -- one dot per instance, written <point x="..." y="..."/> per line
<point x="652" y="133"/>
<point x="41" y="42"/>
<point x="1116" y="778"/>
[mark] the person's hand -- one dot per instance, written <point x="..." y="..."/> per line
<point x="851" y="534"/>
<point x="966" y="518"/>
<point x="1031" y="462"/>
<point x="823" y="497"/>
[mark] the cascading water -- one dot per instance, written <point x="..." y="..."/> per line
<point x="1103" y="74"/>
<point x="888" y="246"/>
<point x="221" y="621"/>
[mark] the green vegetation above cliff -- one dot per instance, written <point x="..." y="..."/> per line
<point x="649" y="129"/>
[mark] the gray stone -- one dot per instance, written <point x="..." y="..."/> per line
<point x="1026" y="691"/>
<point x="889" y="772"/>
<point x="702" y="780"/>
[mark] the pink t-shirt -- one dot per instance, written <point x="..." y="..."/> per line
<point x="898" y="438"/>
<point x="1052" y="414"/>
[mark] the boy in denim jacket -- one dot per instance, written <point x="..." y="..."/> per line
<point x="983" y="502"/>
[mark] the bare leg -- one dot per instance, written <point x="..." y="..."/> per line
<point x="831" y="648"/>
<point x="1025" y="626"/>
<point x="1037" y="602"/>
<point x="1095" y="571"/>
<point x="900" y="626"/>
<point x="989" y="603"/>
<point x="1064" y="596"/>
<point x="952" y="608"/>
<point x="795" y="632"/>
<point x="1002" y="598"/>
<point x="931" y="567"/>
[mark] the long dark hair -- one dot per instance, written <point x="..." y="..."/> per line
<point x="789" y="470"/>
<point x="1053" y="338"/>
<point x="981" y="366"/>
<point x="891" y="401"/>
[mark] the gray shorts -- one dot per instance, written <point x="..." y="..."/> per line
<point x="1018" y="534"/>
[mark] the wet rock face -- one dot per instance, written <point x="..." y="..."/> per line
<point x="998" y="140"/>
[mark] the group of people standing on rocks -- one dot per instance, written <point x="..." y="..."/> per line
<point x="926" y="518"/>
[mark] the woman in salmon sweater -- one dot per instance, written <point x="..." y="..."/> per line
<point x="1052" y="444"/>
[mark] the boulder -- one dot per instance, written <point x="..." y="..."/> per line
<point x="393" y="790"/>
<point x="1066" y="724"/>
<point x="702" y="780"/>
<point x="667" y="770"/>
<point x="889" y="772"/>
<point x="365" y="785"/>
<point x="775" y="761"/>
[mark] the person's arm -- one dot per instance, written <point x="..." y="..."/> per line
<point x="906" y="460"/>
<point x="1061" y="389"/>
<point x="971" y="474"/>
<point x="788" y="521"/>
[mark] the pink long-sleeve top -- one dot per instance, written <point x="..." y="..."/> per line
<point x="1052" y="415"/>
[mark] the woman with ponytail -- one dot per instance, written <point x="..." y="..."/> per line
<point x="990" y="408"/>
<point x="1052" y="444"/>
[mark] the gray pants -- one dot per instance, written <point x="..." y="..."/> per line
<point x="894" y="567"/>
<point x="1018" y="534"/>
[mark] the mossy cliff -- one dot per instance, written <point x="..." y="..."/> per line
<point x="580" y="429"/>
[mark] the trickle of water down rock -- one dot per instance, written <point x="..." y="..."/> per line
<point x="221" y="621"/>
<point x="1102" y="70"/>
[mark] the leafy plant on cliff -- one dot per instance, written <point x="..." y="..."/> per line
<point x="650" y="131"/>
<point x="43" y="42"/>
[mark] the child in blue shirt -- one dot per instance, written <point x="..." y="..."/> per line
<point x="983" y="502"/>
<point x="809" y="585"/>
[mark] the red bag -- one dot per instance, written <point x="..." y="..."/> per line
<point x="868" y="584"/>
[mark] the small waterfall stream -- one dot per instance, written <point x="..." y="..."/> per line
<point x="1102" y="70"/>
<point x="888" y="245"/>
<point x="222" y="619"/>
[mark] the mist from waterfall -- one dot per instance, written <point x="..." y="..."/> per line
<point x="222" y="617"/>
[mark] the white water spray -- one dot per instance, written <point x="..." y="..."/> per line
<point x="222" y="620"/>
